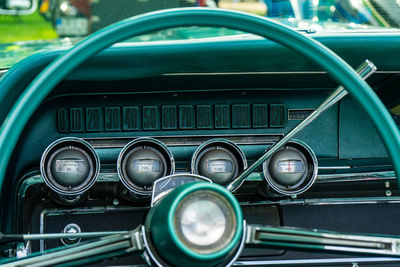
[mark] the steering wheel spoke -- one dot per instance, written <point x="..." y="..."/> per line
<point x="106" y="247"/>
<point x="317" y="240"/>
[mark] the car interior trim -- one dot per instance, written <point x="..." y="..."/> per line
<point x="317" y="262"/>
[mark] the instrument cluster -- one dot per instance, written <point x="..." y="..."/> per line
<point x="70" y="166"/>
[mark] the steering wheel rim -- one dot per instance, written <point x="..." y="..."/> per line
<point x="337" y="68"/>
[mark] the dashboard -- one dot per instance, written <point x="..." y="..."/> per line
<point x="111" y="134"/>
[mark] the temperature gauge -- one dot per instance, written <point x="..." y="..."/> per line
<point x="220" y="166"/>
<point x="219" y="160"/>
<point x="292" y="170"/>
<point x="290" y="166"/>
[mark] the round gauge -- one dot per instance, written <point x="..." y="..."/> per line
<point x="219" y="160"/>
<point x="292" y="170"/>
<point x="70" y="166"/>
<point x="141" y="162"/>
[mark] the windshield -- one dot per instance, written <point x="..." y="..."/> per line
<point x="47" y="24"/>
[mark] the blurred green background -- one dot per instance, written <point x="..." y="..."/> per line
<point x="36" y="27"/>
<point x="24" y="28"/>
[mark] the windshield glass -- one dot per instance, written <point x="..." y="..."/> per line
<point x="28" y="26"/>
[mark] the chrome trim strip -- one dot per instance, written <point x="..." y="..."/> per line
<point x="334" y="167"/>
<point x="2" y="72"/>
<point x="308" y="262"/>
<point x="352" y="177"/>
<point x="265" y="73"/>
<point x="243" y="73"/>
<point x="187" y="140"/>
<point x="232" y="261"/>
<point x="327" y="201"/>
<point x="321" y="178"/>
<point x="41" y="229"/>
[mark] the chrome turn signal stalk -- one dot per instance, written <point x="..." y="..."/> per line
<point x="297" y="238"/>
<point x="366" y="69"/>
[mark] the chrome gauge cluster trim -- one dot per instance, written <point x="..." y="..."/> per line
<point x="285" y="185"/>
<point x="222" y="159"/>
<point x="353" y="177"/>
<point x="141" y="162"/>
<point x="333" y="167"/>
<point x="231" y="146"/>
<point x="189" y="140"/>
<point x="327" y="201"/>
<point x="70" y="166"/>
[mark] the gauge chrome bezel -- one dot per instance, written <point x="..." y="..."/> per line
<point x="155" y="197"/>
<point x="54" y="147"/>
<point x="159" y="147"/>
<point x="225" y="144"/>
<point x="303" y="185"/>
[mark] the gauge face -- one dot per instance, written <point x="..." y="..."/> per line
<point x="290" y="166"/>
<point x="146" y="165"/>
<point x="70" y="166"/>
<point x="218" y="164"/>
<point x="292" y="170"/>
<point x="143" y="165"/>
<point x="220" y="160"/>
<point x="143" y="161"/>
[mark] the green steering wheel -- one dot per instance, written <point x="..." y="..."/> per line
<point x="338" y="69"/>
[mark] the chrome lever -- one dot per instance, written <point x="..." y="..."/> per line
<point x="270" y="236"/>
<point x="366" y="69"/>
<point x="130" y="242"/>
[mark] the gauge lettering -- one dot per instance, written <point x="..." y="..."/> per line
<point x="169" y="117"/>
<point x="113" y="118"/>
<point x="131" y="119"/>
<point x="150" y="118"/>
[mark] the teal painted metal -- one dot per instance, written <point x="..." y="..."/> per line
<point x="58" y="69"/>
<point x="165" y="238"/>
